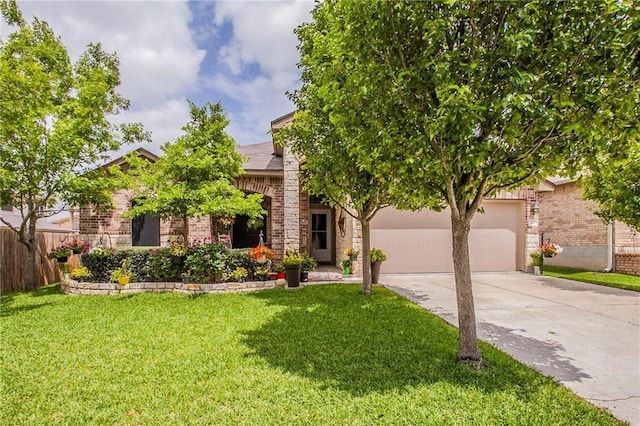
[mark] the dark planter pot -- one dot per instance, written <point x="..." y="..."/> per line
<point x="548" y="256"/>
<point x="62" y="259"/>
<point x="304" y="276"/>
<point x="375" y="272"/>
<point x="292" y="274"/>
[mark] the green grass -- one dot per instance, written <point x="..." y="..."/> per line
<point x="319" y="355"/>
<point x="610" y="279"/>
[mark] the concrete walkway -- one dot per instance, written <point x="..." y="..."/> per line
<point x="585" y="336"/>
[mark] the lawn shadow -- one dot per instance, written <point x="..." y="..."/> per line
<point x="378" y="343"/>
<point x="7" y="300"/>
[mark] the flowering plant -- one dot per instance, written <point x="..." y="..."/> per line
<point x="292" y="258"/>
<point x="226" y="220"/>
<point x="101" y="252"/>
<point x="78" y="247"/>
<point x="177" y="249"/>
<point x="550" y="250"/>
<point x="261" y="251"/>
<point x="60" y="252"/>
<point x="351" y="252"/>
<point x="240" y="274"/>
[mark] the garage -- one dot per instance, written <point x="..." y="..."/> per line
<point x="420" y="241"/>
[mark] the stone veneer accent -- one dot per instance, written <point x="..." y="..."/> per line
<point x="75" y="287"/>
<point x="291" y="201"/>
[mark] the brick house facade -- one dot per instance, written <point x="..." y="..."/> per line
<point x="570" y="221"/>
<point x="297" y="220"/>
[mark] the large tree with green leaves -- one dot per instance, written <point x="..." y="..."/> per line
<point x="53" y="125"/>
<point x="613" y="180"/>
<point x="330" y="169"/>
<point x="454" y="101"/>
<point x="194" y="175"/>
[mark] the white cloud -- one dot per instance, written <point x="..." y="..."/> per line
<point x="159" y="60"/>
<point x="263" y="33"/>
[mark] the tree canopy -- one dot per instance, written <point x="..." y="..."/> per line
<point x="194" y="175"/>
<point x="54" y="125"/>
<point x="451" y="102"/>
<point x="614" y="182"/>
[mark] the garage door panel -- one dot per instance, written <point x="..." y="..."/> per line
<point x="419" y="241"/>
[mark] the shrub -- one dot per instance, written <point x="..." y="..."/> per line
<point x="163" y="265"/>
<point x="208" y="262"/>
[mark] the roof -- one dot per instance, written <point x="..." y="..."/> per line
<point x="144" y="153"/>
<point x="42" y="225"/>
<point x="260" y="158"/>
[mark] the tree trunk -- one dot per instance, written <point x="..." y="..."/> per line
<point x="468" y="349"/>
<point x="185" y="230"/>
<point x="366" y="257"/>
<point x="30" y="278"/>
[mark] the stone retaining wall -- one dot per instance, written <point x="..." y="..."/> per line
<point x="628" y="263"/>
<point x="75" y="287"/>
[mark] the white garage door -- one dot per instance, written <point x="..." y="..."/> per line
<point x="421" y="241"/>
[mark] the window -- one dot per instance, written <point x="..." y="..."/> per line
<point x="145" y="230"/>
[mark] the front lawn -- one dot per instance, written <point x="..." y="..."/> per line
<point x="320" y="355"/>
<point x="609" y="279"/>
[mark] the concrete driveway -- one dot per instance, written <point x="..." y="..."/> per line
<point x="585" y="336"/>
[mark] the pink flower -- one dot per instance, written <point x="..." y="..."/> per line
<point x="207" y="256"/>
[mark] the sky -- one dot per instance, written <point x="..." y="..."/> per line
<point x="240" y="53"/>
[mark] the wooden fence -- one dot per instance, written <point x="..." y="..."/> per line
<point x="13" y="260"/>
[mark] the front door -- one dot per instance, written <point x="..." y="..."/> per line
<point x="322" y="235"/>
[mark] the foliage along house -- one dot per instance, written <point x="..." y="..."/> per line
<point x="500" y="240"/>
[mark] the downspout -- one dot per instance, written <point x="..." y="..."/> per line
<point x="609" y="267"/>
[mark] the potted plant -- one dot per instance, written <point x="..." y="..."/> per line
<point x="262" y="273"/>
<point x="61" y="253"/>
<point x="123" y="274"/>
<point x="550" y="250"/>
<point x="308" y="264"/>
<point x="377" y="257"/>
<point x="78" y="247"/>
<point x="345" y="264"/>
<point x="536" y="258"/>
<point x="81" y="273"/>
<point x="292" y="261"/>
<point x="279" y="270"/>
<point x="261" y="253"/>
<point x="351" y="253"/>
<point x="240" y="274"/>
<point x="65" y="269"/>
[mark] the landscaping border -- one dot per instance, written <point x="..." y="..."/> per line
<point x="70" y="286"/>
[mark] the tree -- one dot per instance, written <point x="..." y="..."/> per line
<point x="53" y="126"/>
<point x="614" y="182"/>
<point x="455" y="101"/>
<point x="330" y="169"/>
<point x="195" y="174"/>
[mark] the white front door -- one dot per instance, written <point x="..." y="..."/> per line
<point x="321" y="235"/>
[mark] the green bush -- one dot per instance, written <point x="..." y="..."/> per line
<point x="208" y="262"/>
<point x="162" y="265"/>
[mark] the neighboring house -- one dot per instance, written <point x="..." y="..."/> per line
<point x="588" y="243"/>
<point x="500" y="240"/>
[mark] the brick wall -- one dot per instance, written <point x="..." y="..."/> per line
<point x="569" y="220"/>
<point x="115" y="230"/>
<point x="628" y="263"/>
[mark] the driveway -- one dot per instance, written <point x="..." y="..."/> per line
<point x="585" y="336"/>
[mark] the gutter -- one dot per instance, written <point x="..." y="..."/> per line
<point x="609" y="267"/>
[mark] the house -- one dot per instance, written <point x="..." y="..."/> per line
<point x="588" y="243"/>
<point x="500" y="240"/>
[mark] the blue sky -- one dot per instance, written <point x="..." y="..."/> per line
<point x="241" y="53"/>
